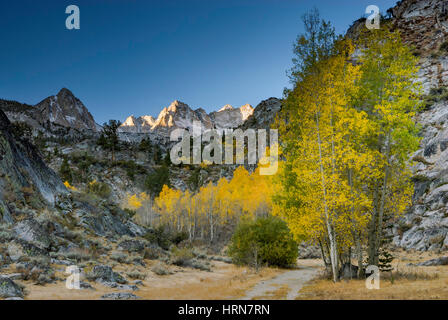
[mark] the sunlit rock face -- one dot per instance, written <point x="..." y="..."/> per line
<point x="228" y="117"/>
<point x="142" y="124"/>
<point x="179" y="115"/>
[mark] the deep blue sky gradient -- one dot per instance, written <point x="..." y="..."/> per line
<point x="136" y="56"/>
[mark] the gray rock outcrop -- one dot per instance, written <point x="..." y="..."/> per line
<point x="9" y="289"/>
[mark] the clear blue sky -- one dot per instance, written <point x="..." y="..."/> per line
<point x="136" y="56"/>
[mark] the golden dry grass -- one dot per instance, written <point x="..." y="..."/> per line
<point x="428" y="283"/>
<point x="225" y="282"/>
<point x="279" y="293"/>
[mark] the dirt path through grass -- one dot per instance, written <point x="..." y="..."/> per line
<point x="286" y="285"/>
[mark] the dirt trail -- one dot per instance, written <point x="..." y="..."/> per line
<point x="286" y="285"/>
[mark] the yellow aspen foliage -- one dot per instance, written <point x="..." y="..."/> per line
<point x="347" y="132"/>
<point x="142" y="204"/>
<point x="215" y="207"/>
<point x="69" y="186"/>
<point x="323" y="146"/>
<point x="133" y="202"/>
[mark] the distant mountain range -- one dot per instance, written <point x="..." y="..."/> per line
<point x="64" y="109"/>
<point x="180" y="115"/>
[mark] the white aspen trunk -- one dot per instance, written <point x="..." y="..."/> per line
<point x="194" y="226"/>
<point x="359" y="254"/>
<point x="355" y="233"/>
<point x="324" y="258"/>
<point x="211" y="226"/>
<point x="375" y="232"/>
<point x="372" y="228"/>
<point x="333" y="246"/>
<point x="383" y="200"/>
<point x="190" y="227"/>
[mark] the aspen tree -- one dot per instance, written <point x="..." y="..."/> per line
<point x="389" y="94"/>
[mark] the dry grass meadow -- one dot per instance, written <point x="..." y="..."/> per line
<point x="406" y="283"/>
<point x="226" y="281"/>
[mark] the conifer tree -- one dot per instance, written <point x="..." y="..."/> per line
<point x="65" y="171"/>
<point x="145" y="146"/>
<point x="109" y="137"/>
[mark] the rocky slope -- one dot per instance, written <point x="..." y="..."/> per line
<point x="20" y="112"/>
<point x="424" y="25"/>
<point x="43" y="226"/>
<point x="425" y="226"/>
<point x="264" y="114"/>
<point x="23" y="171"/>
